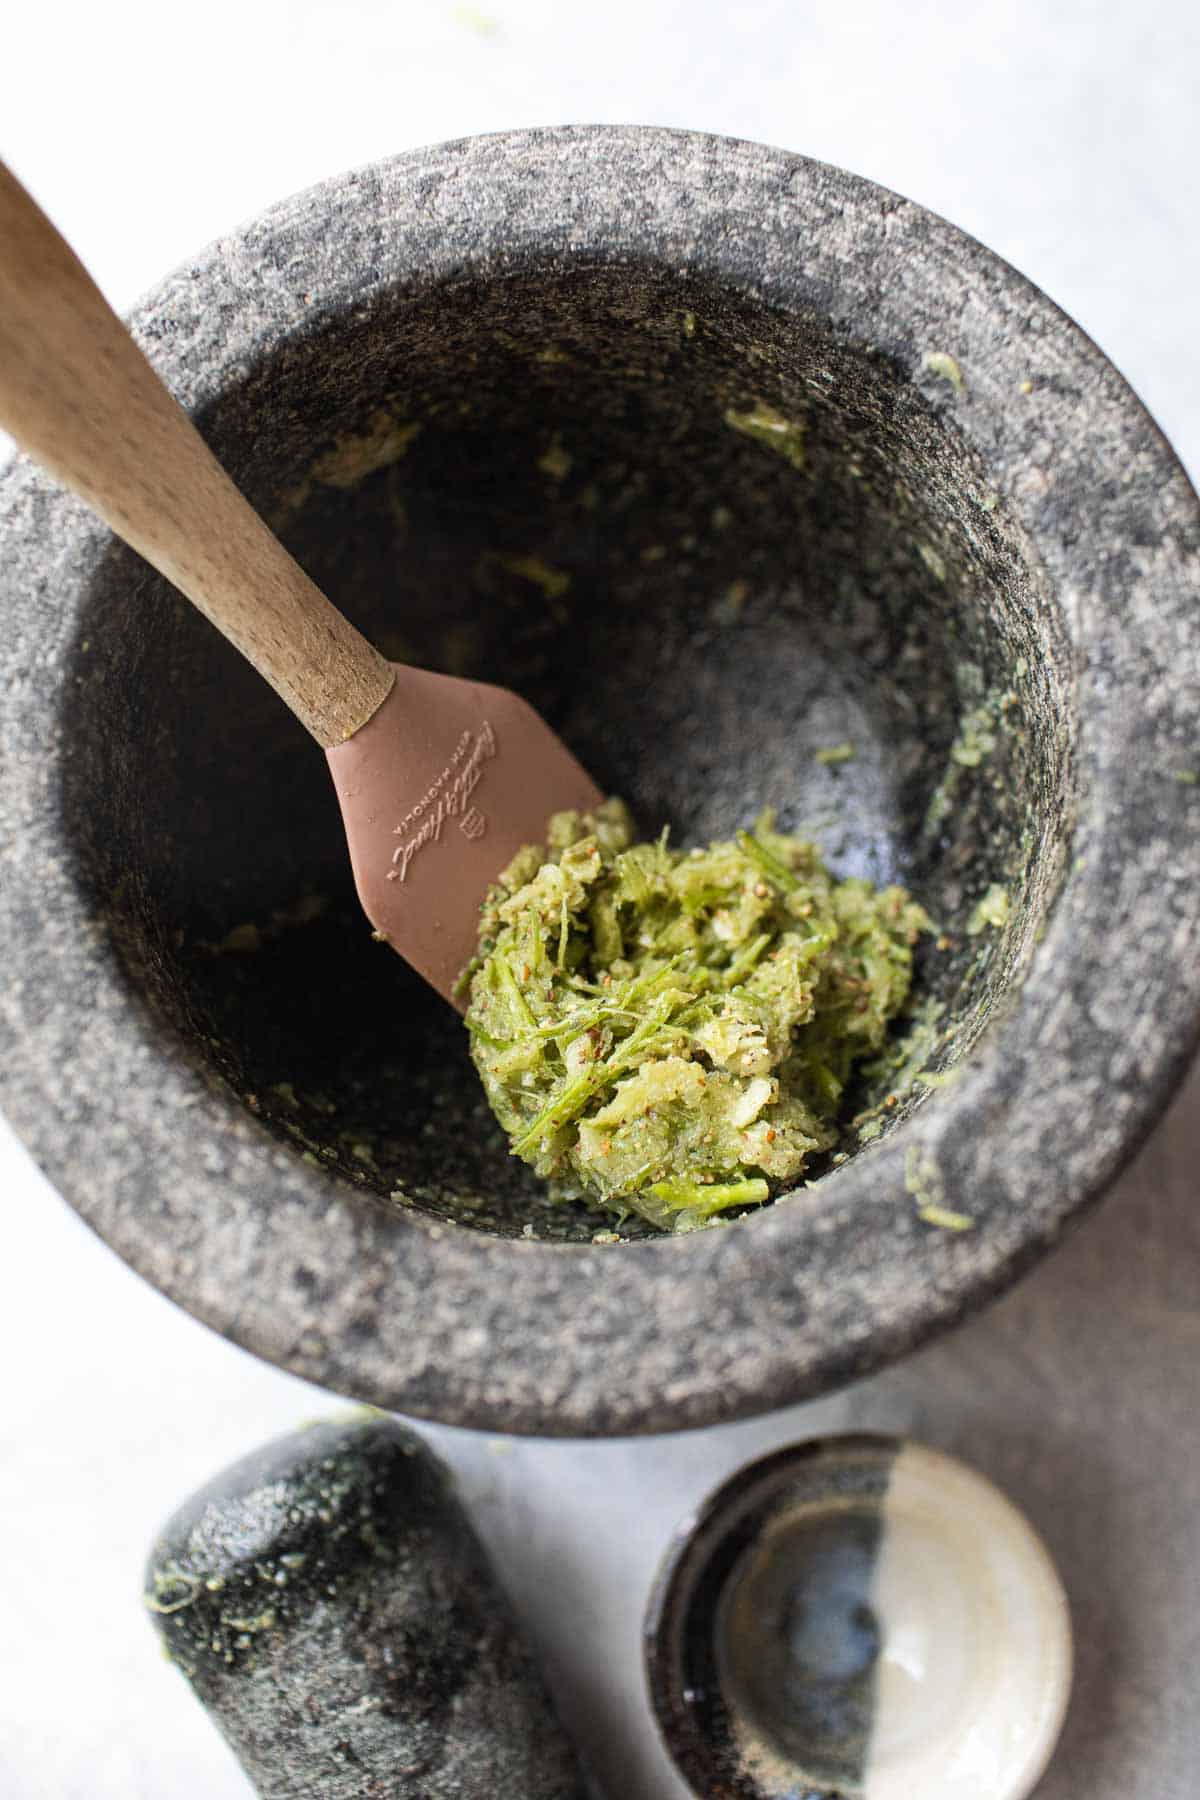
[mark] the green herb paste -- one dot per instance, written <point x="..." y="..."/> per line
<point x="669" y="1032"/>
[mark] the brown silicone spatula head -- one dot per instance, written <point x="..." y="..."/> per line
<point x="440" y="780"/>
<point x="439" y="790"/>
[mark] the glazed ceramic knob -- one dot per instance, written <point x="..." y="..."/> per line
<point x="334" y="1612"/>
<point x="859" y="1616"/>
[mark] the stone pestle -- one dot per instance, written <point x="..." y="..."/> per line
<point x="336" y="1615"/>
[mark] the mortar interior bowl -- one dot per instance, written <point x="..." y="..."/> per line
<point x="722" y="458"/>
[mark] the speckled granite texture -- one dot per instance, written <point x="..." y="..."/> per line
<point x="982" y="566"/>
<point x="335" y="1613"/>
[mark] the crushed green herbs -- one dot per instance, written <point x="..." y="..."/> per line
<point x="833" y="754"/>
<point x="976" y="738"/>
<point x="555" y="461"/>
<point x="669" y="1033"/>
<point x="934" y="561"/>
<point x="992" y="910"/>
<point x="923" y="1180"/>
<point x="554" y="583"/>
<point x="946" y="368"/>
<point x="761" y="422"/>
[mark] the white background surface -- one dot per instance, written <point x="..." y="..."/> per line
<point x="1067" y="137"/>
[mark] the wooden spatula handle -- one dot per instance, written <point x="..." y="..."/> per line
<point x="79" y="396"/>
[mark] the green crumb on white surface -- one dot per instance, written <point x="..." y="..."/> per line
<point x="1188" y="777"/>
<point x="833" y="754"/>
<point x="946" y="368"/>
<point x="668" y="1033"/>
<point x="761" y="422"/>
<point x="992" y="910"/>
<point x="480" y="24"/>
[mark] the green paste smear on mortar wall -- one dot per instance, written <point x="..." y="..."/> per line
<point x="669" y="1033"/>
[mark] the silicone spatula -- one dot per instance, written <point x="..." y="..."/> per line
<point x="440" y="780"/>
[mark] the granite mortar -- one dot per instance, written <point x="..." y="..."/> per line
<point x="495" y="397"/>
